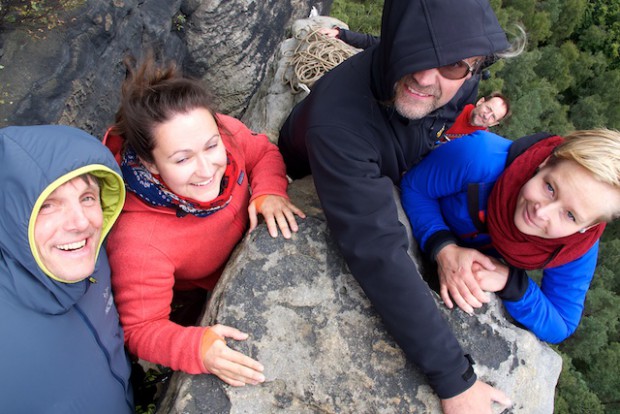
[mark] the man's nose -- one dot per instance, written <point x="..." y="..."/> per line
<point x="75" y="218"/>
<point x="426" y="77"/>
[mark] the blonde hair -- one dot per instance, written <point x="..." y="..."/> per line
<point x="596" y="150"/>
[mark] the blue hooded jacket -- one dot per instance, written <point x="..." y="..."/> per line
<point x="435" y="198"/>
<point x="357" y="148"/>
<point x="62" y="345"/>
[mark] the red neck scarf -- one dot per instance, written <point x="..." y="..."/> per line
<point x="520" y="250"/>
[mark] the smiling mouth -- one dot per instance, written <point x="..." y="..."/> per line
<point x="528" y="218"/>
<point x="203" y="183"/>
<point x="72" y="246"/>
<point x="417" y="92"/>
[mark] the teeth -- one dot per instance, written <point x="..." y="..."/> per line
<point x="72" y="246"/>
<point x="204" y="182"/>
<point x="416" y="92"/>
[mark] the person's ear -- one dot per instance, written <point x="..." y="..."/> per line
<point x="542" y="164"/>
<point x="480" y="102"/>
<point x="150" y="166"/>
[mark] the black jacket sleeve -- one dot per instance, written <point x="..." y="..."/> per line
<point x="516" y="285"/>
<point x="356" y="39"/>
<point x="361" y="212"/>
<point x="437" y="241"/>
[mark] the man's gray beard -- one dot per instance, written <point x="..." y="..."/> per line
<point x="415" y="114"/>
<point x="409" y="114"/>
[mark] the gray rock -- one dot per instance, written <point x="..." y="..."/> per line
<point x="71" y="73"/>
<point x="230" y="44"/>
<point x="325" y="349"/>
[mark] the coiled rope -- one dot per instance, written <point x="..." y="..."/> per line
<point x="315" y="55"/>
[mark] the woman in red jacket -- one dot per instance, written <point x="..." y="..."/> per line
<point x="196" y="180"/>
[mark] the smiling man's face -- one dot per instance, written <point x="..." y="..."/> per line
<point x="68" y="227"/>
<point x="420" y="93"/>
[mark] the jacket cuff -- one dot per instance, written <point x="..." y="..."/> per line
<point x="342" y="34"/>
<point x="516" y="285"/>
<point x="258" y="194"/>
<point x="437" y="241"/>
<point x="208" y="338"/>
<point x="459" y="384"/>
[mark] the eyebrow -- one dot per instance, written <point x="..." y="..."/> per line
<point x="189" y="150"/>
<point x="91" y="186"/>
<point x="90" y="182"/>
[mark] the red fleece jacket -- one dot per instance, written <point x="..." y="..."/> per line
<point x="152" y="252"/>
<point x="461" y="124"/>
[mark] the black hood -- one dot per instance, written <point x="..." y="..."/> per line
<point x="423" y="34"/>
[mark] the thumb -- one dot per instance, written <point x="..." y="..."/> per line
<point x="501" y="398"/>
<point x="253" y="216"/>
<point x="484" y="261"/>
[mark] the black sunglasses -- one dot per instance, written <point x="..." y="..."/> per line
<point x="458" y="70"/>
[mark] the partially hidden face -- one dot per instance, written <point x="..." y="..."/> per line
<point x="67" y="229"/>
<point x="562" y="199"/>
<point x="488" y="113"/>
<point x="420" y="93"/>
<point x="190" y="155"/>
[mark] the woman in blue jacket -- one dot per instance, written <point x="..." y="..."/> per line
<point x="474" y="201"/>
<point x="62" y="345"/>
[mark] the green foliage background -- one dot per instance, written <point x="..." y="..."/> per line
<point x="568" y="78"/>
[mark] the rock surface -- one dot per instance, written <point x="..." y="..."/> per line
<point x="71" y="73"/>
<point x="231" y="44"/>
<point x="325" y="349"/>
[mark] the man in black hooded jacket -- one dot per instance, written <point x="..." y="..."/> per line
<point x="367" y="122"/>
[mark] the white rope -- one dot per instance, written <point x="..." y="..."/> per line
<point x="315" y="55"/>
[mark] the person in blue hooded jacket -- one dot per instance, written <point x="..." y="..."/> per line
<point x="538" y="203"/>
<point x="62" y="345"/>
<point x="364" y="124"/>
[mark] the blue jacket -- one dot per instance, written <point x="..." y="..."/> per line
<point x="62" y="345"/>
<point x="357" y="147"/>
<point x="434" y="196"/>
